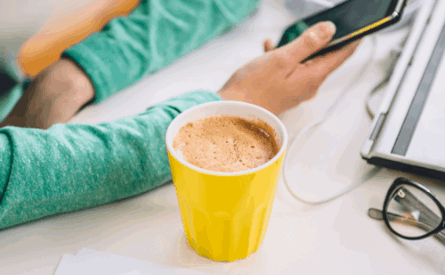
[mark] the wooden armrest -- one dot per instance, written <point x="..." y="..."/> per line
<point x="45" y="47"/>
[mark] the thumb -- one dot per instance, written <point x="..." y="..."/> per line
<point x="310" y="41"/>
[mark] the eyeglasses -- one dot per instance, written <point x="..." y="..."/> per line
<point x="411" y="211"/>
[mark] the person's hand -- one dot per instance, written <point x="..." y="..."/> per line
<point x="279" y="80"/>
<point x="54" y="96"/>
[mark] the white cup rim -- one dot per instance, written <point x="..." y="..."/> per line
<point x="240" y="105"/>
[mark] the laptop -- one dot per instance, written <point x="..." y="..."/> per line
<point x="408" y="131"/>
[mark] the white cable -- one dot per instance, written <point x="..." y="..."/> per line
<point x="317" y="122"/>
<point x="372" y="93"/>
<point x="394" y="56"/>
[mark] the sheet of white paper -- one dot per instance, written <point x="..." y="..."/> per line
<point x="90" y="262"/>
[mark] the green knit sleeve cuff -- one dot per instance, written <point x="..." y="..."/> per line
<point x="188" y="100"/>
<point x="86" y="56"/>
<point x="5" y="160"/>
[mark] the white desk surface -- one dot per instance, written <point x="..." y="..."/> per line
<point x="334" y="238"/>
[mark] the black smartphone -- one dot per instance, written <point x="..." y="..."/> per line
<point x="353" y="19"/>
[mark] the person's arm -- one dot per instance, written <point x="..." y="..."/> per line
<point x="54" y="96"/>
<point x="75" y="166"/>
<point x="155" y="34"/>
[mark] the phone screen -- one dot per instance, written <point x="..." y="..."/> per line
<point x="348" y="17"/>
<point x="353" y="15"/>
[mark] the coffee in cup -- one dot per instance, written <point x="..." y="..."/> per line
<point x="226" y="143"/>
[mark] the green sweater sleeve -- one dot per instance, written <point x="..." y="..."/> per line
<point x="155" y="34"/>
<point x="74" y="166"/>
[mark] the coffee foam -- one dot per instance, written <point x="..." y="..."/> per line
<point x="226" y="143"/>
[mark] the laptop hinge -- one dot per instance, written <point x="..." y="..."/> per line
<point x="367" y="147"/>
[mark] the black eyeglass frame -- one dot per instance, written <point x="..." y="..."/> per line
<point x="394" y="188"/>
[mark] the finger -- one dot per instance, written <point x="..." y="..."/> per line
<point x="310" y="41"/>
<point x="268" y="46"/>
<point x="326" y="64"/>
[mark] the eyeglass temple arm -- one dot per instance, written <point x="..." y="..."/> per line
<point x="410" y="202"/>
<point x="378" y="215"/>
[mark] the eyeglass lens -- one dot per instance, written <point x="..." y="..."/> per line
<point x="411" y="212"/>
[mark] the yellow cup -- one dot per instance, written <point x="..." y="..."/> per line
<point x="225" y="215"/>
